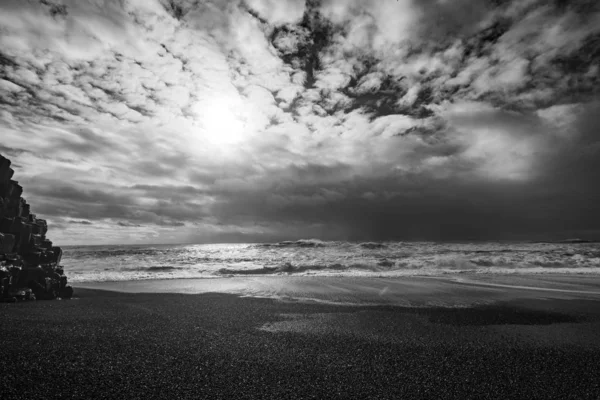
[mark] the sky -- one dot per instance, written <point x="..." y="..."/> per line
<point x="155" y="121"/>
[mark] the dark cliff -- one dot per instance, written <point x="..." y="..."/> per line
<point x="29" y="262"/>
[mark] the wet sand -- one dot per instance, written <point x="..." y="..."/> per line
<point x="308" y="338"/>
<point x="448" y="291"/>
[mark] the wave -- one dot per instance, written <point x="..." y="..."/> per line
<point x="290" y="268"/>
<point x="372" y="245"/>
<point x="298" y="243"/>
<point x="321" y="243"/>
<point x="158" y="269"/>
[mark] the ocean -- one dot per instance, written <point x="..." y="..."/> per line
<point x="317" y="258"/>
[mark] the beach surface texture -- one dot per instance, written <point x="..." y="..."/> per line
<point x="278" y="337"/>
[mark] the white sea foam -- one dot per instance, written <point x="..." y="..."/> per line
<point x="314" y="257"/>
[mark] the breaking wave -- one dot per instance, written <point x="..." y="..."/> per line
<point x="298" y="243"/>
<point x="160" y="269"/>
<point x="372" y="245"/>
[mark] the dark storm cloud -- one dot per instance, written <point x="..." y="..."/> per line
<point x="72" y="193"/>
<point x="572" y="168"/>
<point x="417" y="207"/>
<point x="163" y="206"/>
<point x="161" y="214"/>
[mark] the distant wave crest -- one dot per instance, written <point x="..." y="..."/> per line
<point x="297" y="243"/>
<point x="321" y="243"/>
<point x="372" y="245"/>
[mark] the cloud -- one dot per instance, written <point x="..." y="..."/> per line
<point x="278" y="12"/>
<point x="258" y="120"/>
<point x="128" y="224"/>
<point x="81" y="222"/>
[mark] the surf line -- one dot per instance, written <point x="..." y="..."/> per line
<point x="476" y="283"/>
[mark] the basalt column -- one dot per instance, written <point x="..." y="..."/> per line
<point x="29" y="263"/>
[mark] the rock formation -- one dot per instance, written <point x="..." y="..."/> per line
<point x="29" y="263"/>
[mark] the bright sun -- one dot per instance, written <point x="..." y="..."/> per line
<point x="221" y="122"/>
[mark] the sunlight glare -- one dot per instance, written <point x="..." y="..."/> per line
<point x="221" y="121"/>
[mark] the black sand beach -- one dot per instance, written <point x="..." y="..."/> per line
<point x="425" y="338"/>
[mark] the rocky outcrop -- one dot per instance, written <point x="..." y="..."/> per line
<point x="29" y="263"/>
